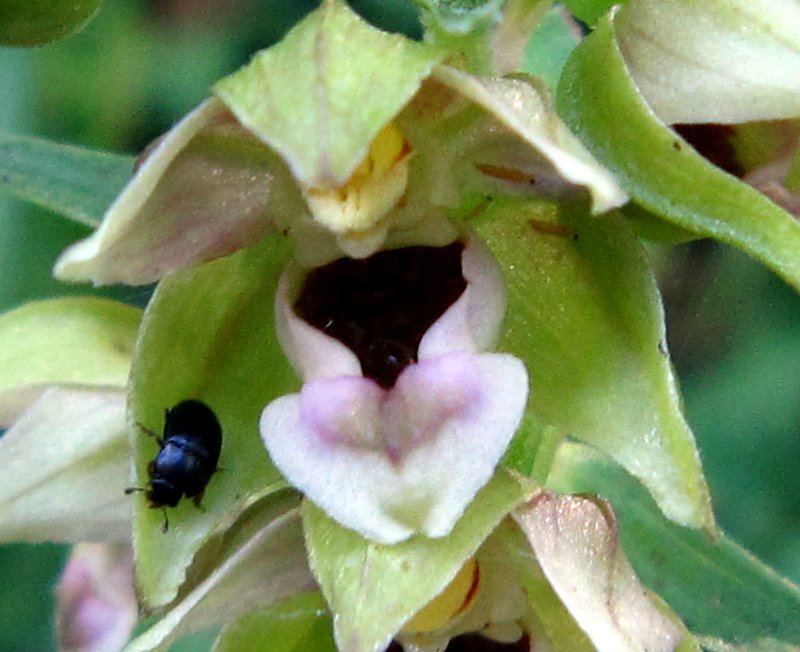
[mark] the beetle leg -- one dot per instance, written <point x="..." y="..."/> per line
<point x="150" y="433"/>
<point x="165" y="527"/>
<point x="196" y="500"/>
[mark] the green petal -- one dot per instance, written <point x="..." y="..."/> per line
<point x="715" y="60"/>
<point x="207" y="189"/>
<point x="320" y="96"/>
<point x="74" y="341"/>
<point x="299" y="624"/>
<point x="75" y="182"/>
<point x="598" y="99"/>
<point x="585" y="316"/>
<point x="525" y="109"/>
<point x="208" y="333"/>
<point x="373" y="589"/>
<point x="265" y="567"/>
<point x="65" y="468"/>
<point x="36" y="22"/>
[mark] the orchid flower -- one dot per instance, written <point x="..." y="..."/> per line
<point x="381" y="264"/>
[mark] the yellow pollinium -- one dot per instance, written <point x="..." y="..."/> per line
<point x="375" y="187"/>
<point x="455" y="598"/>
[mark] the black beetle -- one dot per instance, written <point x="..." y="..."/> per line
<point x="188" y="457"/>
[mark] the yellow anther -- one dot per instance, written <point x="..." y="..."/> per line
<point x="376" y="186"/>
<point x="455" y="598"/>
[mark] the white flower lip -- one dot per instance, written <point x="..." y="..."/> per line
<point x="393" y="463"/>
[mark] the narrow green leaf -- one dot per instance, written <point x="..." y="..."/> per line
<point x="719" y="589"/>
<point x="36" y="22"/>
<point x="77" y="183"/>
<point x="585" y="316"/>
<point x="73" y="341"/>
<point x="659" y="170"/>
<point x="373" y="589"/>
<point x="208" y="333"/>
<point x="300" y="624"/>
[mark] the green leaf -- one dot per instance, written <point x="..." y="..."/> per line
<point x="659" y="170"/>
<point x="300" y="624"/>
<point x="75" y="341"/>
<point x="717" y="588"/>
<point x="322" y="94"/>
<point x="208" y="333"/>
<point x="77" y="183"/>
<point x="585" y="316"/>
<point x="36" y="22"/>
<point x="373" y="589"/>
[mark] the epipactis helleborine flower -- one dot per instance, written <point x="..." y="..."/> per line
<point x="404" y="456"/>
<point x="337" y="136"/>
<point x="348" y="139"/>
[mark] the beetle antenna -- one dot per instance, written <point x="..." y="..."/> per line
<point x="130" y="490"/>
<point x="165" y="527"/>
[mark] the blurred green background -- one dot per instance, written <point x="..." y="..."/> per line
<point x="733" y="327"/>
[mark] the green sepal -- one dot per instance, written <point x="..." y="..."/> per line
<point x="716" y="61"/>
<point x="585" y="315"/>
<point x="208" y="333"/>
<point x="65" y="467"/>
<point x="77" y="341"/>
<point x="321" y="95"/>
